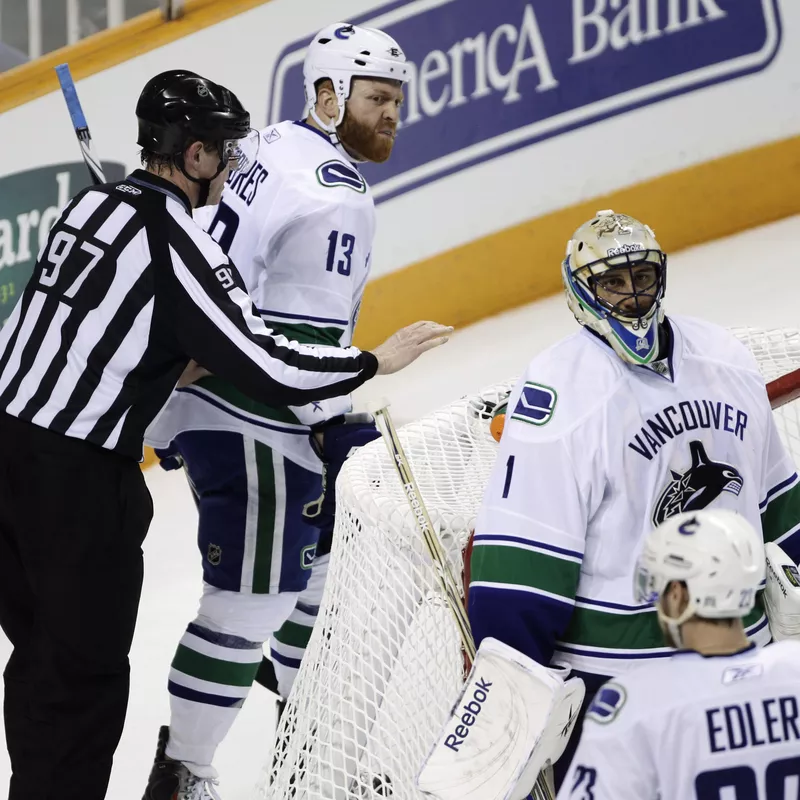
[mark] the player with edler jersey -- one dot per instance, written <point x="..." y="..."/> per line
<point x="719" y="717"/>
<point x="634" y="419"/>
<point x="300" y="226"/>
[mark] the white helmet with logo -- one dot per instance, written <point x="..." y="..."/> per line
<point x="716" y="553"/>
<point x="612" y="241"/>
<point x="341" y="52"/>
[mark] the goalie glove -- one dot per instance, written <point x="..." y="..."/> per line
<point x="513" y="719"/>
<point x="782" y="594"/>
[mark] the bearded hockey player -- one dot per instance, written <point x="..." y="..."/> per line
<point x="300" y="227"/>
<point x="630" y="421"/>
<point x="719" y="718"/>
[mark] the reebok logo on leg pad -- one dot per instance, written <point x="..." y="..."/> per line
<point x="470" y="715"/>
<point x="513" y="716"/>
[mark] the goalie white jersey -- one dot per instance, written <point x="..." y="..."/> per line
<point x="694" y="727"/>
<point x="299" y="226"/>
<point x="594" y="454"/>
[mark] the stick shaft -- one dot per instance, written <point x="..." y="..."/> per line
<point x="542" y="790"/>
<point x="79" y="124"/>
<point x="423" y="522"/>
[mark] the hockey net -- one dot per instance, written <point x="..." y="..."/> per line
<point x="384" y="665"/>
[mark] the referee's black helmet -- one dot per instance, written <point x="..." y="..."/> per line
<point x="179" y="107"/>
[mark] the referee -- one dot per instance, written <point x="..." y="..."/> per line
<point x="126" y="291"/>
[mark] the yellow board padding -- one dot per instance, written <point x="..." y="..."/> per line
<point x="150" y="458"/>
<point x="108" y="48"/>
<point x="521" y="264"/>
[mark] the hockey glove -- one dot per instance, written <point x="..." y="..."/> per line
<point x="170" y="457"/>
<point x="334" y="442"/>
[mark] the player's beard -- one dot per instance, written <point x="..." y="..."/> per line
<point x="364" y="141"/>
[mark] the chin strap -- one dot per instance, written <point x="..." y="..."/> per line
<point x="330" y="129"/>
<point x="203" y="183"/>
<point x="673" y="624"/>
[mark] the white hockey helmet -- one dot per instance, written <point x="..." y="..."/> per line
<point x="612" y="241"/>
<point x="718" y="555"/>
<point x="341" y="52"/>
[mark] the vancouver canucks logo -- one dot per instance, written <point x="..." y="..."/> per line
<point x="336" y="173"/>
<point x="698" y="487"/>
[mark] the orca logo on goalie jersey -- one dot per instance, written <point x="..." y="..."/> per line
<point x="698" y="487"/>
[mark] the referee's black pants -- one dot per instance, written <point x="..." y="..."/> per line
<point x="72" y="521"/>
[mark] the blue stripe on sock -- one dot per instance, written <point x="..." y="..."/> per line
<point x="222" y="639"/>
<point x="312" y="611"/>
<point x="185" y="693"/>
<point x="293" y="663"/>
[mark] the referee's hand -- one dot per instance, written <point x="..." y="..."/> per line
<point x="192" y="373"/>
<point x="408" y="344"/>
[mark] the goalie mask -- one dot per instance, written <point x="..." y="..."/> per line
<point x="718" y="556"/>
<point x="342" y="52"/>
<point x="614" y="276"/>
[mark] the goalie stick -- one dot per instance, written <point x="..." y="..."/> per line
<point x="79" y="123"/>
<point x="543" y="789"/>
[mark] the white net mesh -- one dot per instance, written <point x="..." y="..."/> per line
<point x="384" y="665"/>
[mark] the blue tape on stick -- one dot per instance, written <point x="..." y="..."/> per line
<point x="71" y="96"/>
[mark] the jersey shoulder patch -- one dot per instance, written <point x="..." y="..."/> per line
<point x="562" y="388"/>
<point x="271" y="135"/>
<point x="335" y="173"/>
<point x="536" y="404"/>
<point x="607" y="703"/>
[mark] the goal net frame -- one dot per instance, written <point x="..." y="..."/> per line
<point x="385" y="662"/>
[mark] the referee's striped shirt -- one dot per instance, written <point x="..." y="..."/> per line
<point x="127" y="289"/>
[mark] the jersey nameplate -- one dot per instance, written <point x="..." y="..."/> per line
<point x="536" y="404"/>
<point x="335" y="173"/>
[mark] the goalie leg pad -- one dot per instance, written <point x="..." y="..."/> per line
<point x="782" y="594"/>
<point x="513" y="718"/>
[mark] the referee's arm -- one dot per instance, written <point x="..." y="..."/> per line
<point x="218" y="326"/>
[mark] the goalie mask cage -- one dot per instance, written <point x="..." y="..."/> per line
<point x="384" y="665"/>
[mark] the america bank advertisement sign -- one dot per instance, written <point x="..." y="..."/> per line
<point x="492" y="76"/>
